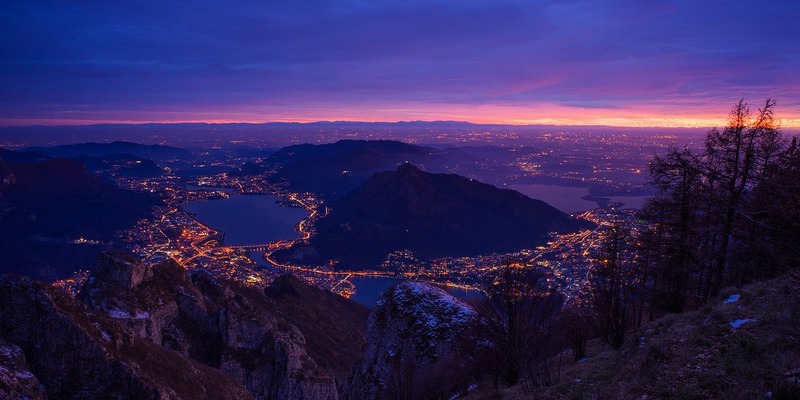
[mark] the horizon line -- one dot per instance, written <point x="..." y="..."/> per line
<point x="63" y="124"/>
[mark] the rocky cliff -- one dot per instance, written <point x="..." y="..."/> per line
<point x="416" y="338"/>
<point x="137" y="331"/>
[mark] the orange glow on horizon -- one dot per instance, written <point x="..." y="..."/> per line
<point x="479" y="114"/>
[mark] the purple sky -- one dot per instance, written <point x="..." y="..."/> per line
<point x="637" y="62"/>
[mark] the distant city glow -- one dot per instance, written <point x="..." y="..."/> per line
<point x="558" y="116"/>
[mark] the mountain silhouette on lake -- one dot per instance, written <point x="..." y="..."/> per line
<point x="433" y="215"/>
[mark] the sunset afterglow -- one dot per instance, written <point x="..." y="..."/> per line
<point x="507" y="62"/>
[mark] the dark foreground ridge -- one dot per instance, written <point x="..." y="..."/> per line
<point x="140" y="332"/>
<point x="433" y="215"/>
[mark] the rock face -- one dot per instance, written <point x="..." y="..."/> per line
<point x="156" y="332"/>
<point x="16" y="379"/>
<point x="78" y="353"/>
<point x="415" y="337"/>
<point x="121" y="269"/>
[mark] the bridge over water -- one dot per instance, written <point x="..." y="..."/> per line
<point x="253" y="247"/>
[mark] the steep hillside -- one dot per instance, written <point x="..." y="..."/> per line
<point x="433" y="215"/>
<point x="138" y="331"/>
<point x="741" y="346"/>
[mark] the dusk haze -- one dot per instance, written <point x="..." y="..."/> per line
<point x="400" y="200"/>
<point x="616" y="63"/>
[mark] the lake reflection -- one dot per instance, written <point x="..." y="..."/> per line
<point x="565" y="198"/>
<point x="568" y="199"/>
<point x="248" y="219"/>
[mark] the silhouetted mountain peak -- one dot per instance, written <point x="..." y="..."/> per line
<point x="433" y="215"/>
<point x="408" y="169"/>
<point x="334" y="169"/>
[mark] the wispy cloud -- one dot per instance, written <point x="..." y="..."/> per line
<point x="360" y="57"/>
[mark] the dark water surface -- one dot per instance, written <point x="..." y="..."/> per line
<point x="248" y="219"/>
<point x="257" y="219"/>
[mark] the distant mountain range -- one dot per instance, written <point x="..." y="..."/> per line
<point x="125" y="165"/>
<point x="276" y="134"/>
<point x="152" y="152"/>
<point x="433" y="215"/>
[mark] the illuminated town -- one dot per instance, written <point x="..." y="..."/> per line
<point x="615" y="163"/>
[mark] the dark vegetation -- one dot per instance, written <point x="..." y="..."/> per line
<point x="519" y="310"/>
<point x="722" y="218"/>
<point x="725" y="216"/>
<point x="433" y="215"/>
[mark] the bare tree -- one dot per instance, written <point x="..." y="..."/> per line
<point x="613" y="281"/>
<point x="736" y="158"/>
<point x="671" y="244"/>
<point x="518" y="309"/>
<point x="711" y="220"/>
<point x="577" y="328"/>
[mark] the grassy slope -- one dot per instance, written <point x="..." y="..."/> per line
<point x="696" y="355"/>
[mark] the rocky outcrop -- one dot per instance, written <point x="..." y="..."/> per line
<point x="121" y="269"/>
<point x="79" y="353"/>
<point x="416" y="335"/>
<point x="16" y="380"/>
<point x="290" y="341"/>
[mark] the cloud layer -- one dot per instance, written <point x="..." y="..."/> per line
<point x="567" y="61"/>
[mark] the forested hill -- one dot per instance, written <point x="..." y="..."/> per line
<point x="742" y="345"/>
<point x="433" y="215"/>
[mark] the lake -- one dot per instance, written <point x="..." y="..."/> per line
<point x="369" y="289"/>
<point x="248" y="219"/>
<point x="568" y="199"/>
<point x="257" y="219"/>
<point x="565" y="198"/>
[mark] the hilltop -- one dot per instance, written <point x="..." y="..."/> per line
<point x="433" y="215"/>
<point x="333" y="170"/>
